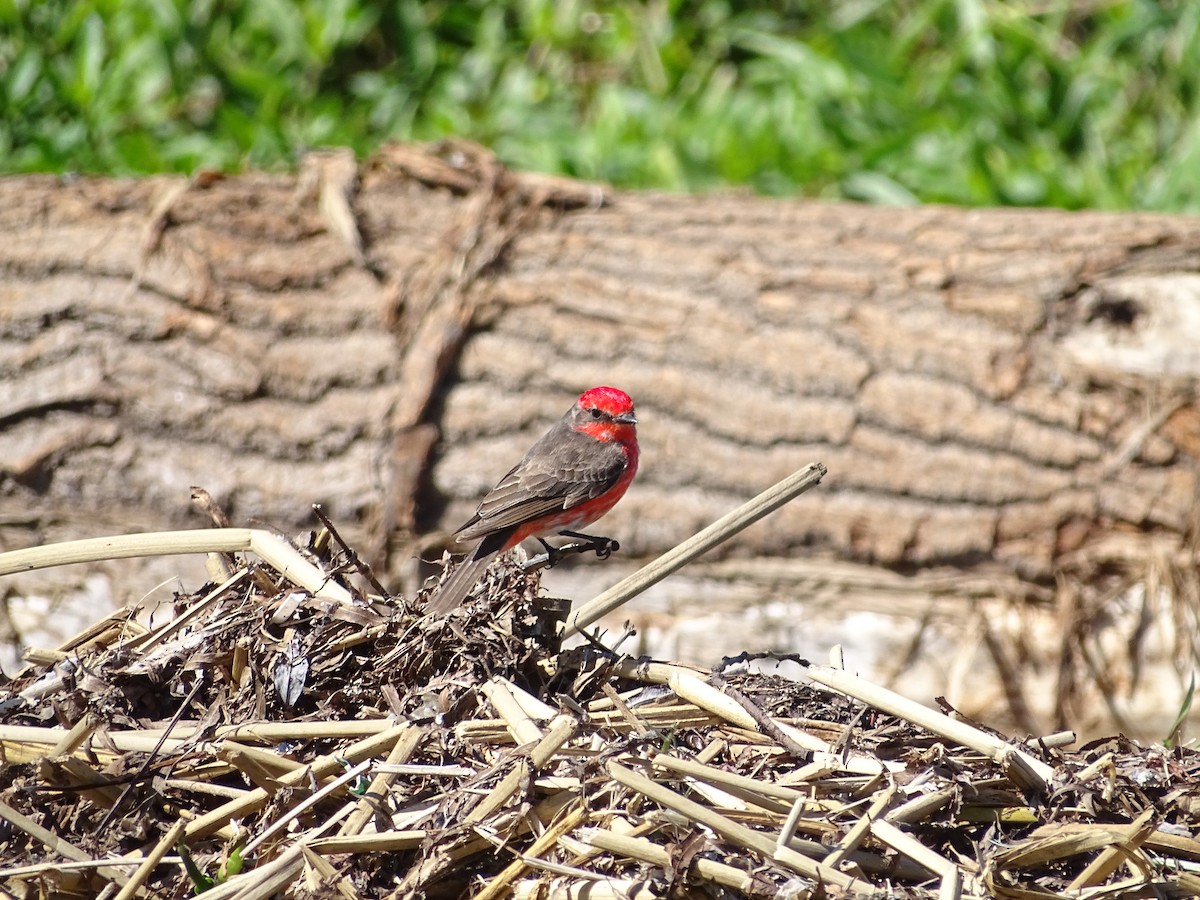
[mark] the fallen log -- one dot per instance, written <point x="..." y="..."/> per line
<point x="998" y="394"/>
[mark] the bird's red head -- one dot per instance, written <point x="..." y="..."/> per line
<point x="605" y="413"/>
<point x="610" y="401"/>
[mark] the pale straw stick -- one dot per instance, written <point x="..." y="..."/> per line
<point x="721" y="530"/>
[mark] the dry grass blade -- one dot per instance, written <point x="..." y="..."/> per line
<point x="563" y="730"/>
<point x="380" y="842"/>
<point x="143" y="642"/>
<point x="739" y="835"/>
<point x="860" y="829"/>
<point x="722" y="778"/>
<point x="265" y="881"/>
<point x="325" y="875"/>
<point x="374" y="797"/>
<point x="568" y="823"/>
<point x="78" y="733"/>
<point x="647" y="850"/>
<point x="351" y="774"/>
<point x="326" y="765"/>
<point x="563" y="889"/>
<point x="1111" y="858"/>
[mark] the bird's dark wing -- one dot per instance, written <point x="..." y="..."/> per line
<point x="563" y="469"/>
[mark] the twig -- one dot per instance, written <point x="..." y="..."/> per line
<point x="768" y="725"/>
<point x="360" y="565"/>
<point x="149" y="760"/>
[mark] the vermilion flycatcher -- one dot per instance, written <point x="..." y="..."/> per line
<point x="572" y="476"/>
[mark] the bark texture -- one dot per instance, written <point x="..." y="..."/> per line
<point x="987" y="388"/>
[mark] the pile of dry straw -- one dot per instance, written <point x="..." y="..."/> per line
<point x="288" y="735"/>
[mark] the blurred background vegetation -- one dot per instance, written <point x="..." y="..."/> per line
<point x="1070" y="103"/>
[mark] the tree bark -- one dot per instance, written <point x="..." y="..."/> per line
<point x="993" y="390"/>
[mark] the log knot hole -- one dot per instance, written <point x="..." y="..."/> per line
<point x="1115" y="310"/>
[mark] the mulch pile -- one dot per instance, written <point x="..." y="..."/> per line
<point x="271" y="742"/>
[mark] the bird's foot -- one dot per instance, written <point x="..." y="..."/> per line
<point x="603" y="547"/>
<point x="552" y="556"/>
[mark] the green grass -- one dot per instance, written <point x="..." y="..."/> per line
<point x="1070" y="103"/>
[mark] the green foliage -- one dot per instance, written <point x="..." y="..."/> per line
<point x="1030" y="102"/>
<point x="232" y="865"/>
<point x="200" y="881"/>
<point x="1175" y="735"/>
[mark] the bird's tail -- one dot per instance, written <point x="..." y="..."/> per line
<point x="453" y="591"/>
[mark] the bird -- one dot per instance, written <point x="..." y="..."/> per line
<point x="574" y="474"/>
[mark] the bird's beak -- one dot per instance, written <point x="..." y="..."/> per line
<point x="626" y="418"/>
